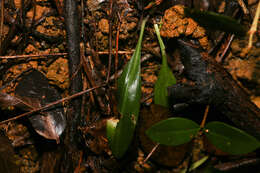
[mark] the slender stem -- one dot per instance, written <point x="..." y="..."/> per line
<point x="204" y="117"/>
<point x="152" y="151"/>
<point x="162" y="47"/>
<point x="254" y="26"/>
<point x="32" y="56"/>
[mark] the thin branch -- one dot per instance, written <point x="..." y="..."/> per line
<point x="219" y="59"/>
<point x="252" y="31"/>
<point x="51" y="104"/>
<point x="110" y="39"/>
<point x="2" y="21"/>
<point x="243" y="6"/>
<point x="152" y="151"/>
<point x="62" y="54"/>
<point x="114" y="52"/>
<point x="254" y="26"/>
<point x="117" y="41"/>
<point x="33" y="56"/>
<point x="204" y="117"/>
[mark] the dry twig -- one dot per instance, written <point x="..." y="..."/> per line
<point x="252" y="31"/>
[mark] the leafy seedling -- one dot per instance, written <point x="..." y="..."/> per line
<point x="165" y="78"/>
<point x="129" y="94"/>
<point x="177" y="131"/>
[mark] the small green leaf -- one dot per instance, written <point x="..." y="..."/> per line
<point x="165" y="78"/>
<point x="230" y="139"/>
<point x="216" y="21"/>
<point x="173" y="131"/>
<point x="129" y="92"/>
<point x="196" y="164"/>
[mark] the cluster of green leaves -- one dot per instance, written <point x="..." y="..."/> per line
<point x="173" y="131"/>
<point x="177" y="131"/>
<point x="129" y="90"/>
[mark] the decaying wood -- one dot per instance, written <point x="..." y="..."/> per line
<point x="212" y="84"/>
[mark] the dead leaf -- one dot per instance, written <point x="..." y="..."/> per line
<point x="34" y="91"/>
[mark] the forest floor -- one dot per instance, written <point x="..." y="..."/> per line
<point x="31" y="28"/>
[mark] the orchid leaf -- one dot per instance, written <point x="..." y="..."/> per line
<point x="129" y="94"/>
<point x="173" y="131"/>
<point x="230" y="139"/>
<point x="165" y="78"/>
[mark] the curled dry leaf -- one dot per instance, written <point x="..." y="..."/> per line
<point x="34" y="91"/>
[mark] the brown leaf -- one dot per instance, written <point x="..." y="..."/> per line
<point x="34" y="91"/>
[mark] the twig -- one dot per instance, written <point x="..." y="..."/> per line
<point x="93" y="82"/>
<point x="114" y="52"/>
<point x="110" y="39"/>
<point x="152" y="151"/>
<point x="51" y="104"/>
<point x="252" y="31"/>
<point x="2" y="21"/>
<point x="243" y="6"/>
<point x="117" y="41"/>
<point x="33" y="56"/>
<point x="204" y="117"/>
<point x="246" y="162"/>
<point x="253" y="28"/>
<point x="219" y="59"/>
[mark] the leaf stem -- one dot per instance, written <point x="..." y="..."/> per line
<point x="162" y="47"/>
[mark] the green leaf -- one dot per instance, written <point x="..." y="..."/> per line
<point x="230" y="139"/>
<point x="165" y="78"/>
<point x="173" y="131"/>
<point x="216" y="21"/>
<point x="129" y="92"/>
<point x="129" y="83"/>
